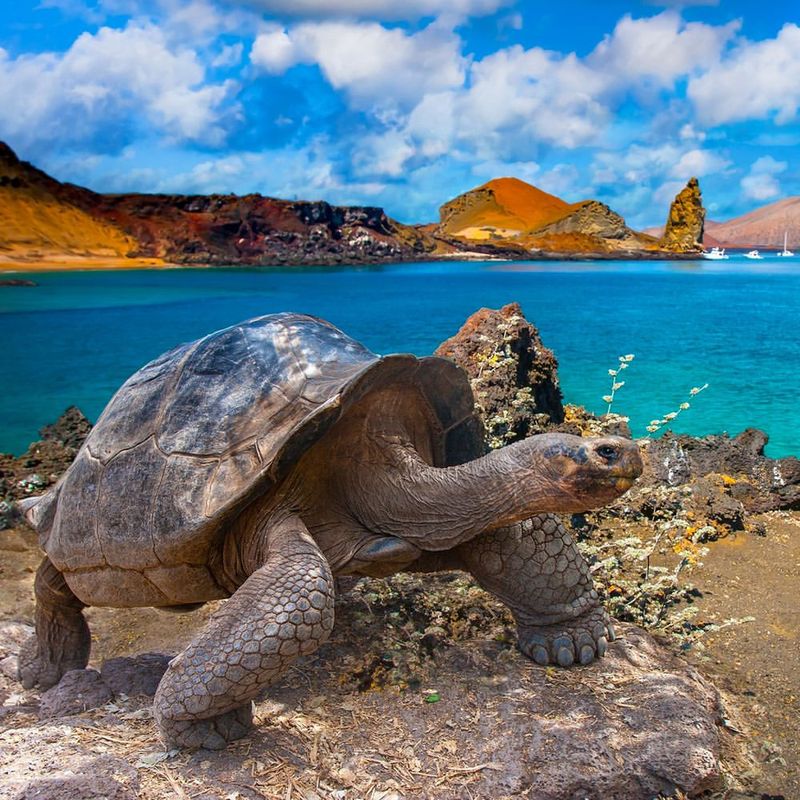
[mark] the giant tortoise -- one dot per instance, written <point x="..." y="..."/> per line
<point x="262" y="460"/>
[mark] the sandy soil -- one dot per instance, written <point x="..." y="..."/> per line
<point x="758" y="661"/>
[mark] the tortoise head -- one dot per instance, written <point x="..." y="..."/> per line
<point x="580" y="474"/>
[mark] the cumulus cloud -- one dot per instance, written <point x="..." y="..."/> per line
<point x="660" y="48"/>
<point x="377" y="67"/>
<point x="756" y="80"/>
<point x="760" y="183"/>
<point x="377" y="9"/>
<point x="698" y="163"/>
<point x="114" y="79"/>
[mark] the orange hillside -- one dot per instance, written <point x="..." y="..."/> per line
<point x="508" y="205"/>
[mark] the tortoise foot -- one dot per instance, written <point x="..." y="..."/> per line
<point x="577" y="641"/>
<point x="215" y="733"/>
<point x="43" y="665"/>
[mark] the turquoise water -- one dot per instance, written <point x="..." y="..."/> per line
<point x="75" y="337"/>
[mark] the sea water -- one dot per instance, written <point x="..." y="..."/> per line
<point x="76" y="336"/>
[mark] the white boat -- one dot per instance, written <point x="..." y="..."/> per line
<point x="714" y="254"/>
<point x="753" y="254"/>
<point x="785" y="253"/>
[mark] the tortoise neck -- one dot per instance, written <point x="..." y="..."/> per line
<point x="436" y="508"/>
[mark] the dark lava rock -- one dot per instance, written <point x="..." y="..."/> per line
<point x="79" y="690"/>
<point x="758" y="482"/>
<point x="513" y="375"/>
<point x="135" y="676"/>
<point x="97" y="779"/>
<point x="70" y="429"/>
<point x="711" y="501"/>
<point x="42" y="464"/>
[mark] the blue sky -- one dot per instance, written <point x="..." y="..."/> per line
<point x="406" y="104"/>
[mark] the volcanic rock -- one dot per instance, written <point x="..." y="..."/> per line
<point x="79" y="690"/>
<point x="102" y="778"/>
<point x="684" y="229"/>
<point x="139" y="675"/>
<point x="42" y="219"/>
<point x="43" y="462"/>
<point x="70" y="429"/>
<point x="758" y="482"/>
<point x="513" y="375"/>
<point x="591" y="218"/>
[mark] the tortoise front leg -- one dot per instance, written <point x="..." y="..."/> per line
<point x="535" y="568"/>
<point x="282" y="611"/>
<point x="62" y="640"/>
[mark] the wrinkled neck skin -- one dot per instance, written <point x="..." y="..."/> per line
<point x="438" y="508"/>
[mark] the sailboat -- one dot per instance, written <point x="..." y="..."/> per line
<point x="785" y="253"/>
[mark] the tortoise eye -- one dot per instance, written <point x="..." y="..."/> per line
<point x="607" y="452"/>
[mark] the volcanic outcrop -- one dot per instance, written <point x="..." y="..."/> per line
<point x="684" y="229"/>
<point x="510" y="214"/>
<point x="45" y="221"/>
<point x="513" y="375"/>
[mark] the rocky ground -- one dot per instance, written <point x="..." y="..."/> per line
<point x="421" y="693"/>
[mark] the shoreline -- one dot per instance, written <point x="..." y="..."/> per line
<point x="67" y="264"/>
<point x="78" y="264"/>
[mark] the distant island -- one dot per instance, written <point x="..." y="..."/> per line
<point x="47" y="224"/>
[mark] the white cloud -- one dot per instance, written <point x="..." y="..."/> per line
<point x="382" y="155"/>
<point x="756" y="80"/>
<point x="229" y="56"/>
<point x="377" y="67"/>
<point x="760" y="183"/>
<point x="274" y="52"/>
<point x="660" y="48"/>
<point x="115" y="77"/>
<point x="378" y="9"/>
<point x="698" y="163"/>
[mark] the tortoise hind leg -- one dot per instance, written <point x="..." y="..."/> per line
<point x="62" y="640"/>
<point x="282" y="611"/>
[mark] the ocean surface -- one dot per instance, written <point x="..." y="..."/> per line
<point x="76" y="336"/>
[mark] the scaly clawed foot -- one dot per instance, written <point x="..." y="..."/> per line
<point x="214" y="733"/>
<point x="580" y="640"/>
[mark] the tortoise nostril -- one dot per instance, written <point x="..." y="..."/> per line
<point x="608" y="452"/>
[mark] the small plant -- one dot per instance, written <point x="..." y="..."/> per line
<point x="616" y="384"/>
<point x="657" y="424"/>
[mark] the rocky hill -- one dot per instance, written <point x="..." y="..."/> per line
<point x="508" y="213"/>
<point x="45" y="221"/>
<point x="764" y="227"/>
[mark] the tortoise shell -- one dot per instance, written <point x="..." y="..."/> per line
<point x="196" y="434"/>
